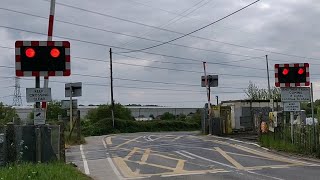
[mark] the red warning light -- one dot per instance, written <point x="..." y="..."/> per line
<point x="55" y="52"/>
<point x="285" y="71"/>
<point x="30" y="53"/>
<point x="300" y="71"/>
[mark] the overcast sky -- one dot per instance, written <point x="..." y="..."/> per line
<point x="288" y="26"/>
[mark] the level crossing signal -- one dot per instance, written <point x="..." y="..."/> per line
<point x="42" y="58"/>
<point x="292" y="75"/>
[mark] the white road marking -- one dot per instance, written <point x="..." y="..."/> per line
<point x="282" y="157"/>
<point x="104" y="143"/>
<point x="184" y="155"/>
<point x="187" y="174"/>
<point x="115" y="170"/>
<point x="203" y="158"/>
<point x="264" y="175"/>
<point x="149" y="138"/>
<point x="85" y="163"/>
<point x="145" y="138"/>
<point x="137" y="171"/>
<point x="235" y="140"/>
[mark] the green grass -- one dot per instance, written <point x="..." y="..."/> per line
<point x="267" y="140"/>
<point x="50" y="171"/>
<point x="73" y="139"/>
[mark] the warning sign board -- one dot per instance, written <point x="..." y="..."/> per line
<point x="291" y="106"/>
<point x="297" y="94"/>
<point x="39" y="116"/>
<point x="38" y="94"/>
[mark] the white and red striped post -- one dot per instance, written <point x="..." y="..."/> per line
<point x="50" y="31"/>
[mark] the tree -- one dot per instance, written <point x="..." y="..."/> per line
<point x="317" y="103"/>
<point x="167" y="116"/>
<point x="181" y="117"/>
<point x="307" y="107"/>
<point x="53" y="111"/>
<point x="104" y="111"/>
<point x="196" y="117"/>
<point x="255" y="93"/>
<point x="7" y="114"/>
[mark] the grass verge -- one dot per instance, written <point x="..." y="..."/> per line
<point x="72" y="140"/>
<point x="267" y="140"/>
<point x="49" y="171"/>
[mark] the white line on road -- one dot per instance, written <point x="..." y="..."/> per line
<point x="264" y="175"/>
<point x="115" y="170"/>
<point x="184" y="155"/>
<point x="203" y="158"/>
<point x="104" y="143"/>
<point x="185" y="174"/>
<point x="85" y="163"/>
<point x="149" y="138"/>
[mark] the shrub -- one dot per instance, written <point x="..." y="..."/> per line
<point x="99" y="122"/>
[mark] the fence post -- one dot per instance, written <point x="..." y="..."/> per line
<point x="62" y="142"/>
<point x="259" y="126"/>
<point x="78" y="127"/>
<point x="38" y="144"/>
<point x="10" y="143"/>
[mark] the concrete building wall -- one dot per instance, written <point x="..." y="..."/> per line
<point x="146" y="112"/>
<point x="239" y="108"/>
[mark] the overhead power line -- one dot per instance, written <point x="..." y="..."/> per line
<point x="172" y="69"/>
<point x="170" y="12"/>
<point x="203" y="38"/>
<point x="194" y="30"/>
<point x="200" y="61"/>
<point x="177" y="18"/>
<point x="123" y="34"/>
<point x="154" y="67"/>
<point x="90" y="42"/>
<point x="148" y="88"/>
<point x="170" y="62"/>
<point x="149" y="81"/>
<point x="128" y="87"/>
<point x="171" y="83"/>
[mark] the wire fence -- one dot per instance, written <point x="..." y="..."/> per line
<point x="2" y="145"/>
<point x="27" y="143"/>
<point x="304" y="139"/>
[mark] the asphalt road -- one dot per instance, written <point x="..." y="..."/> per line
<point x="184" y="155"/>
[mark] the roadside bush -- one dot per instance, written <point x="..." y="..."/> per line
<point x="99" y="122"/>
<point x="104" y="126"/>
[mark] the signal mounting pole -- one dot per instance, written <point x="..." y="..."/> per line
<point x="208" y="96"/>
<point x="111" y="90"/>
<point x="269" y="89"/>
<point x="50" y="31"/>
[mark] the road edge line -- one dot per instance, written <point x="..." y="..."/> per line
<point x="85" y="162"/>
<point x="114" y="168"/>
